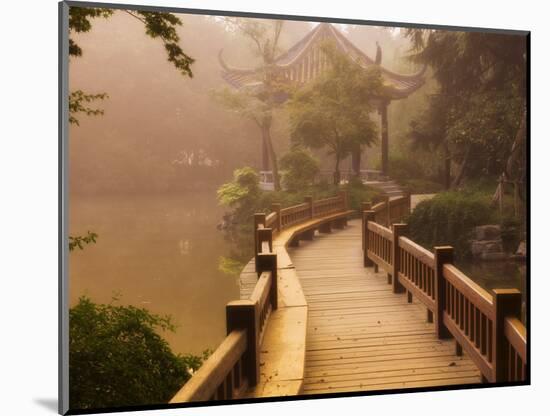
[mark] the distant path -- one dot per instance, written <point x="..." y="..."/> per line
<point x="361" y="336"/>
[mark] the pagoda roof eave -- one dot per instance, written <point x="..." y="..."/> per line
<point x="398" y="85"/>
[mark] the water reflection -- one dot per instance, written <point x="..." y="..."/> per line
<point x="159" y="252"/>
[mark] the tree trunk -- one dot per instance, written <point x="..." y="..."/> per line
<point x="517" y="153"/>
<point x="356" y="160"/>
<point x="337" y="170"/>
<point x="462" y="169"/>
<point x="265" y="153"/>
<point x="384" y="138"/>
<point x="447" y="168"/>
<point x="266" y="134"/>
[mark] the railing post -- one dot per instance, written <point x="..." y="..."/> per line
<point x="268" y="263"/>
<point x="367" y="216"/>
<point x="443" y="255"/>
<point x="407" y="203"/>
<point x="365" y="206"/>
<point x="259" y="218"/>
<point x="344" y="197"/>
<point x="507" y="303"/>
<point x="265" y="234"/>
<point x="277" y="208"/>
<point x="244" y="314"/>
<point x="388" y="212"/>
<point x="309" y="200"/>
<point x="398" y="231"/>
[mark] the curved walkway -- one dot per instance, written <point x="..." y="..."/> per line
<point x="361" y="336"/>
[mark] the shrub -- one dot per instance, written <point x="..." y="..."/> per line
<point x="448" y="219"/>
<point x="358" y="193"/>
<point x="241" y="194"/>
<point x="300" y="168"/>
<point x="421" y="186"/>
<point x="117" y="358"/>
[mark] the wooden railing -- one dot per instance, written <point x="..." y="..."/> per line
<point x="485" y="325"/>
<point x="392" y="210"/>
<point x="515" y="349"/>
<point x="348" y="175"/>
<point x="235" y="364"/>
<point x="282" y="218"/>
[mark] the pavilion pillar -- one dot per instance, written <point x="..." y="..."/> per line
<point x="265" y="154"/>
<point x="384" y="136"/>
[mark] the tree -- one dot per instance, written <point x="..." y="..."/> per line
<point x="334" y="110"/>
<point x="300" y="168"/>
<point x="242" y="193"/>
<point x="478" y="109"/>
<point x="117" y="357"/>
<point x="258" y="104"/>
<point x="78" y="241"/>
<point x="157" y="25"/>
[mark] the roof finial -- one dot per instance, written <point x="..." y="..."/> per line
<point x="378" y="59"/>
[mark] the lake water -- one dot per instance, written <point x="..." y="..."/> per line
<point x="157" y="252"/>
<point x="163" y="253"/>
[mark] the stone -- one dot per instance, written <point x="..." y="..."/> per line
<point x="522" y="249"/>
<point x="488" y="232"/>
<point x="493" y="256"/>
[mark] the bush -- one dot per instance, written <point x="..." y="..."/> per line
<point x="358" y="193"/>
<point x="117" y="358"/>
<point x="414" y="174"/>
<point x="448" y="219"/>
<point x="300" y="168"/>
<point x="421" y="186"/>
<point x="404" y="168"/>
<point x="241" y="194"/>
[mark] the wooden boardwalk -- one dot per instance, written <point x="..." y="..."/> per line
<point x="361" y="336"/>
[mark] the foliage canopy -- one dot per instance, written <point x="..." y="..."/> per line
<point x="117" y="358"/>
<point x="300" y="168"/>
<point x="480" y="102"/>
<point x="157" y="25"/>
<point x="333" y="111"/>
<point x="449" y="218"/>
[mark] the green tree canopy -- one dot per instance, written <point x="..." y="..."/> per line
<point x="159" y="25"/>
<point x="333" y="112"/>
<point x="258" y="104"/>
<point x="117" y="357"/>
<point x="300" y="168"/>
<point x="480" y="105"/>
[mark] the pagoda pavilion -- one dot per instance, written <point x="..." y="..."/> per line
<point x="305" y="60"/>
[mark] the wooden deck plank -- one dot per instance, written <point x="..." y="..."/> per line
<point x="361" y="336"/>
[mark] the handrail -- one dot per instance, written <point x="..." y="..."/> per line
<point x="282" y="218"/>
<point x="235" y="365"/>
<point x="392" y="210"/>
<point x="270" y="219"/>
<point x="260" y="297"/>
<point x="416" y="271"/>
<point x="469" y="314"/>
<point x="221" y="374"/>
<point x="380" y="246"/>
<point x="516" y="349"/>
<point x="485" y="325"/>
<point x="295" y="214"/>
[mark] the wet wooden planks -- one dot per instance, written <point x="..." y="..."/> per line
<point x="360" y="335"/>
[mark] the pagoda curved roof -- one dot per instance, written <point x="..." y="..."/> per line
<point x="297" y="58"/>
